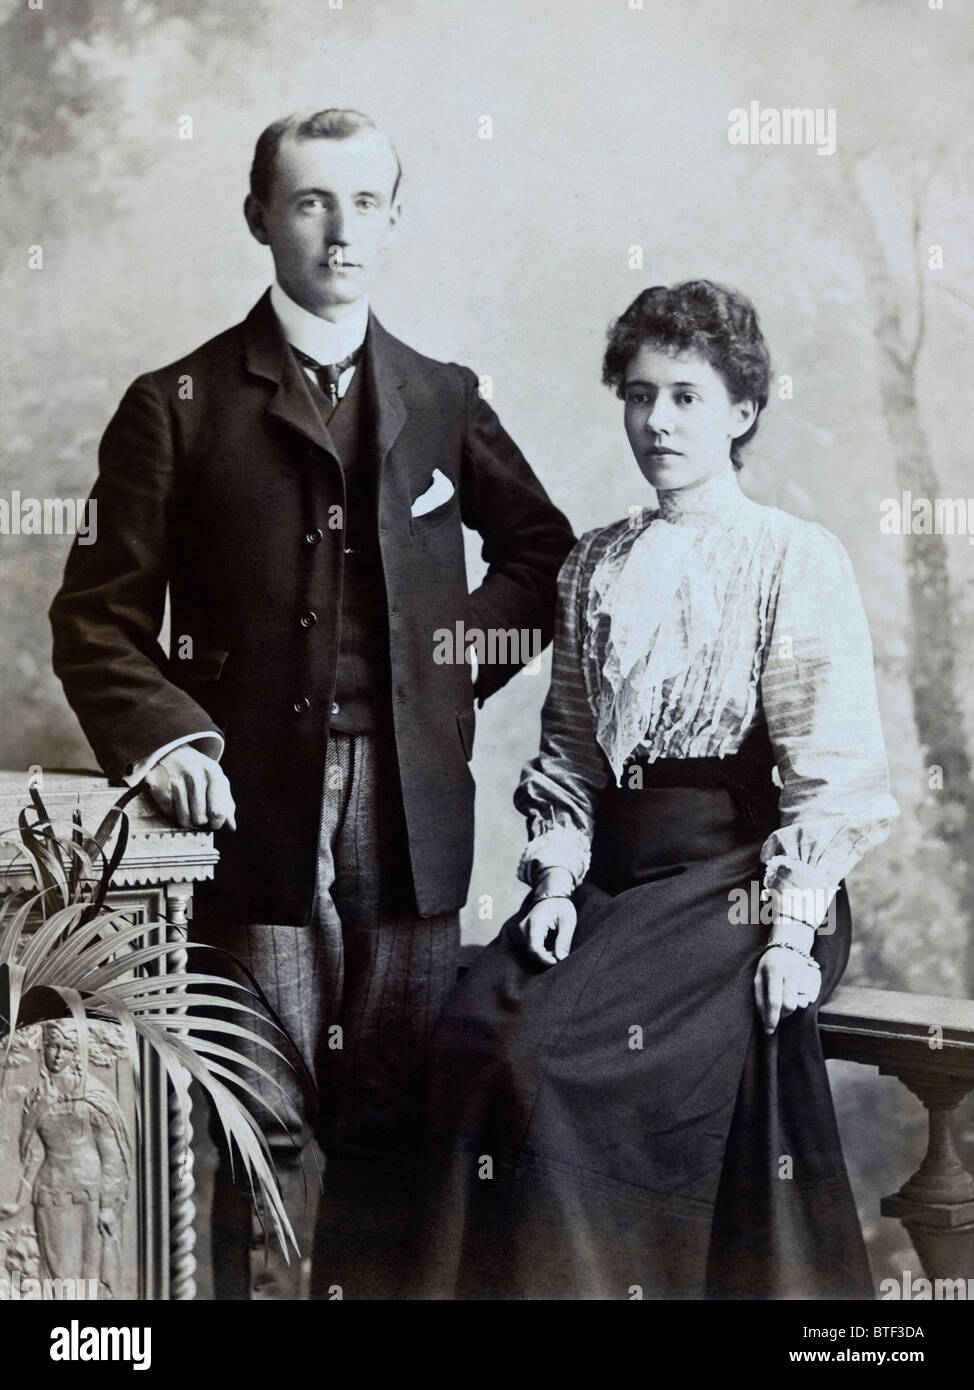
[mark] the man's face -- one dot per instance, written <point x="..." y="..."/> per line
<point x="329" y="217"/>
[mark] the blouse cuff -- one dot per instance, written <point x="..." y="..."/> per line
<point x="797" y="895"/>
<point x="557" y="847"/>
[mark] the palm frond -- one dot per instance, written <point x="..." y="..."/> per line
<point x="70" y="955"/>
<point x="64" y="955"/>
<point x="243" y="1134"/>
<point x="21" y="906"/>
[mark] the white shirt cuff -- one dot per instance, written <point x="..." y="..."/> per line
<point x="208" y="742"/>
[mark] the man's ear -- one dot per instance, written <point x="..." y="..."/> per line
<point x="254" y="214"/>
<point x="395" y="214"/>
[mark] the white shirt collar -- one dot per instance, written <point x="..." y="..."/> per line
<point x="321" y="339"/>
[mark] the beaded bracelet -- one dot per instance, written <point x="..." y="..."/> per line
<point x="787" y="946"/>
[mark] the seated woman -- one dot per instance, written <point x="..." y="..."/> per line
<point x="628" y="1097"/>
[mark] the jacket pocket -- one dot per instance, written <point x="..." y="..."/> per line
<point x="206" y="664"/>
<point x="466" y="725"/>
<point x="431" y="520"/>
<point x="438" y="504"/>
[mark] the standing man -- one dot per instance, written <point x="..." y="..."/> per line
<point x="298" y="484"/>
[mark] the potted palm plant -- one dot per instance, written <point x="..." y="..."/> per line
<point x="68" y="961"/>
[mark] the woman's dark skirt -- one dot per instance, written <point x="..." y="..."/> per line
<point x="619" y="1126"/>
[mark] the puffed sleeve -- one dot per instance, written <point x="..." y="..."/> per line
<point x="559" y="789"/>
<point x="819" y="694"/>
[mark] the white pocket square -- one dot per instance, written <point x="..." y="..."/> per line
<point x="439" y="491"/>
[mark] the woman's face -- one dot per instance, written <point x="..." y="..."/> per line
<point x="680" y="418"/>
<point x="58" y="1050"/>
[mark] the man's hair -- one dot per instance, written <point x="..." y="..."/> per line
<point x="335" y="123"/>
<point x="710" y="320"/>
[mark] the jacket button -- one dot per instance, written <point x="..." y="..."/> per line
<point x="336" y="707"/>
<point x="301" y="706"/>
<point x="313" y="537"/>
<point x="308" y="619"/>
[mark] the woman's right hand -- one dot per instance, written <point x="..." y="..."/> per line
<point x="548" y="929"/>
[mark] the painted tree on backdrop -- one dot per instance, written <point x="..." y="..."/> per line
<point x="60" y="59"/>
<point x="899" y="317"/>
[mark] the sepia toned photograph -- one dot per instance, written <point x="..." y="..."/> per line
<point x="486" y="584"/>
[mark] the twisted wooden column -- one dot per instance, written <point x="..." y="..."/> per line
<point x="182" y="1185"/>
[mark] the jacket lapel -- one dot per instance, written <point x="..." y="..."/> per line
<point x="386" y="372"/>
<point x="267" y="355"/>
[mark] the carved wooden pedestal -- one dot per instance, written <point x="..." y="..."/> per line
<point x="60" y="1154"/>
<point x="928" y="1044"/>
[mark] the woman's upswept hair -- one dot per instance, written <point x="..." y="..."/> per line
<point x="701" y="317"/>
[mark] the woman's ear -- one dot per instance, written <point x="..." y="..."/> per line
<point x="744" y="415"/>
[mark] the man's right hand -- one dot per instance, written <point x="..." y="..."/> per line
<point x="192" y="789"/>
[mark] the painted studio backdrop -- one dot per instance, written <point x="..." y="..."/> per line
<point x="559" y="156"/>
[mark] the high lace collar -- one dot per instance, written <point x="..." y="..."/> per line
<point x="712" y="500"/>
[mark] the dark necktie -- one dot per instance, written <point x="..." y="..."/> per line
<point x="328" y="375"/>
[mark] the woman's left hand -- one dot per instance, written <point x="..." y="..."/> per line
<point x="784" y="982"/>
<point x="548" y="929"/>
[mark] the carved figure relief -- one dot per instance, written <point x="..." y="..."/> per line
<point x="76" y="1160"/>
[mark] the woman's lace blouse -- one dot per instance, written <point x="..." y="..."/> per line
<point x="680" y="629"/>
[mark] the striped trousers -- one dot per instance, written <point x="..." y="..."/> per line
<point x="359" y="991"/>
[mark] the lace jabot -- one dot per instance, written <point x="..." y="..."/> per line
<point x="656" y="606"/>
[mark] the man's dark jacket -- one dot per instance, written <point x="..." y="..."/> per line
<point x="218" y="478"/>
